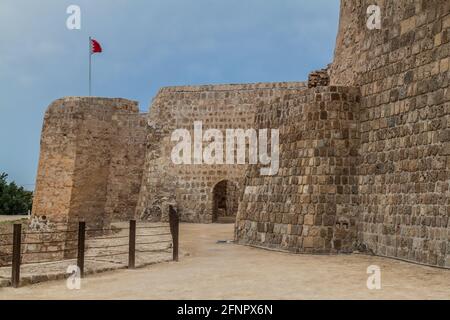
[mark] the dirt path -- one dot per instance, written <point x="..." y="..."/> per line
<point x="228" y="271"/>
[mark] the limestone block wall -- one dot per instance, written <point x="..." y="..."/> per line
<point x="128" y="145"/>
<point x="365" y="162"/>
<point x="86" y="145"/>
<point x="56" y="167"/>
<point x="310" y="206"/>
<point x="191" y="186"/>
<point x="404" y="171"/>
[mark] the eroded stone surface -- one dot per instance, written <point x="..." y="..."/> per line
<point x="91" y="161"/>
<point x="403" y="167"/>
<point x="311" y="204"/>
<point x="191" y="187"/>
<point x="364" y="162"/>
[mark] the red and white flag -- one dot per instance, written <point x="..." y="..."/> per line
<point x="95" y="46"/>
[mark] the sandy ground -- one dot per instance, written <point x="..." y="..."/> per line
<point x="228" y="271"/>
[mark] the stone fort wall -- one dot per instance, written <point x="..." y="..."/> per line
<point x="190" y="186"/>
<point x="364" y="161"/>
<point x="91" y="161"/>
<point x="399" y="181"/>
<point x="309" y="206"/>
<point x="404" y="156"/>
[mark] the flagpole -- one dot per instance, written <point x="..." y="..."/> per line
<point x="90" y="64"/>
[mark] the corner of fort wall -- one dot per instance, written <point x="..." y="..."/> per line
<point x="310" y="206"/>
<point x="229" y="106"/>
<point x="400" y="176"/>
<point x="364" y="161"/>
<point x="403" y="172"/>
<point x="87" y="146"/>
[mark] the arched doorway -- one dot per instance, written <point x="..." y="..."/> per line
<point x="225" y="201"/>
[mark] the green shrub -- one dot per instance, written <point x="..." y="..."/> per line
<point x="14" y="199"/>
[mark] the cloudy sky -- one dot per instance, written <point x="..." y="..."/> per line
<point x="147" y="44"/>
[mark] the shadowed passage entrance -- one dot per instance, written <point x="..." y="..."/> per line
<point x="225" y="201"/>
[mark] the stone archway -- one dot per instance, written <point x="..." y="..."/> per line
<point x="225" y="202"/>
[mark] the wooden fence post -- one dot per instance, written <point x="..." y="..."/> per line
<point x="17" y="243"/>
<point x="174" y="222"/>
<point x="132" y="245"/>
<point x="81" y="246"/>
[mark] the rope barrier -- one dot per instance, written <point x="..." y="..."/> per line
<point x="46" y="261"/>
<point x="52" y="251"/>
<point x="156" y="242"/>
<point x="100" y="251"/>
<point x="107" y="238"/>
<point x="6" y="245"/>
<point x="151" y="251"/>
<point x="105" y="230"/>
<point x="50" y="232"/>
<point x="6" y="266"/>
<point x="106" y="247"/>
<point x="106" y="255"/>
<point x="50" y="242"/>
<point x="156" y="227"/>
<point x="154" y="235"/>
